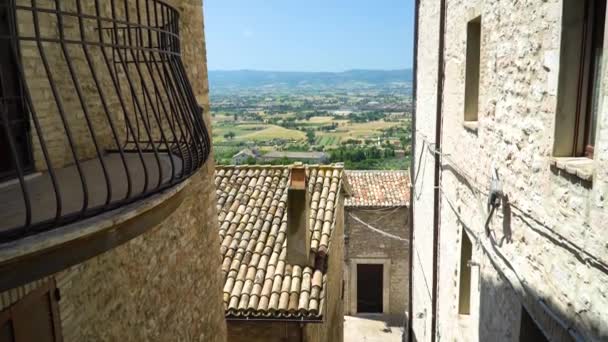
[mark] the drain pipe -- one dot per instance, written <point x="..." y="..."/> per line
<point x="410" y="309"/>
<point x="437" y="180"/>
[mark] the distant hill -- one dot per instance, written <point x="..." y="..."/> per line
<point x="286" y="79"/>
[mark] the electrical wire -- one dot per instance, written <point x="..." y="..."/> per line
<point x="377" y="230"/>
<point x="547" y="232"/>
<point x="494" y="253"/>
<point x="522" y="283"/>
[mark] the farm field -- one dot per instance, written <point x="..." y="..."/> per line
<point x="364" y="128"/>
<point x="254" y="132"/>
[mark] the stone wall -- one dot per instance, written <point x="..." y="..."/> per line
<point x="545" y="244"/>
<point x="263" y="331"/>
<point x="364" y="243"/>
<point x="163" y="285"/>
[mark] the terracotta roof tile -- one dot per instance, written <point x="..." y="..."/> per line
<point x="378" y="188"/>
<point x="252" y="216"/>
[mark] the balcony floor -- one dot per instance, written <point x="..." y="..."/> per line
<point x="42" y="194"/>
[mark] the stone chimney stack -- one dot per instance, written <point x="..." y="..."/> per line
<point x="298" y="203"/>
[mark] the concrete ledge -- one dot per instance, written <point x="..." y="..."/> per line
<point x="471" y="125"/>
<point x="36" y="256"/>
<point x="580" y="167"/>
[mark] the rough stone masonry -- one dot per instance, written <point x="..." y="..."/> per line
<point x="544" y="252"/>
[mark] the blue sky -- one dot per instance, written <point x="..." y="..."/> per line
<point x="311" y="35"/>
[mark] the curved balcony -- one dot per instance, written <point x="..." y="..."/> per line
<point x="96" y="110"/>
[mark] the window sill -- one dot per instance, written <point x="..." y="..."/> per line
<point x="580" y="167"/>
<point x="470" y="125"/>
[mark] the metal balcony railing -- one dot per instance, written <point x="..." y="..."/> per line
<point x="96" y="110"/>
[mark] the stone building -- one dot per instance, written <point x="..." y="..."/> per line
<point x="376" y="249"/>
<point x="282" y="247"/>
<point x="510" y="172"/>
<point x="107" y="193"/>
<point x="244" y="156"/>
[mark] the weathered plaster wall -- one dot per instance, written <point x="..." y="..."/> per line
<point x="422" y="182"/>
<point x="547" y="240"/>
<point x="364" y="243"/>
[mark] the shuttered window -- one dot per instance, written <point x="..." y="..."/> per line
<point x="34" y="318"/>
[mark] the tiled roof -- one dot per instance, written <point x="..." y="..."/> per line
<point x="258" y="282"/>
<point x="378" y="188"/>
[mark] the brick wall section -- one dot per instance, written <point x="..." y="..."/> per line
<point x="517" y="109"/>
<point x="365" y="243"/>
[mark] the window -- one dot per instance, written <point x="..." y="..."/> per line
<point x="528" y="330"/>
<point x="471" y="90"/>
<point x="464" y="298"/>
<point x="33" y="318"/>
<point x="580" y="77"/>
<point x="15" y="143"/>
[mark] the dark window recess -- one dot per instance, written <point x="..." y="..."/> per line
<point x="14" y="122"/>
<point x="369" y="288"/>
<point x="33" y="318"/>
<point x="473" y="60"/>
<point x="592" y="42"/>
<point x="464" y="298"/>
<point x="528" y="330"/>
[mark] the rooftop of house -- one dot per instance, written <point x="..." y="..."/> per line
<point x="247" y="152"/>
<point x="296" y="155"/>
<point x="378" y="188"/>
<point x="252" y="215"/>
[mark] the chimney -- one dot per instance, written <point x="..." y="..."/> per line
<point x="298" y="202"/>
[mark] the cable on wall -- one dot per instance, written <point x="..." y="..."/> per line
<point x="379" y="231"/>
<point x="547" y="232"/>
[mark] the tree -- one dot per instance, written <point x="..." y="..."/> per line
<point x="310" y="136"/>
<point x="230" y="135"/>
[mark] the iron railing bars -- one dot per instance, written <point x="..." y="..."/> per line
<point x="193" y="110"/>
<point x="146" y="94"/>
<point x="12" y="17"/>
<point x="184" y="112"/>
<point x="61" y="110"/>
<point x="156" y="91"/>
<point x="85" y="110"/>
<point x="162" y="100"/>
<point x="134" y="95"/>
<point x="197" y="113"/>
<point x="102" y="98"/>
<point x="93" y="17"/>
<point x="172" y="19"/>
<point x="151" y="73"/>
<point x="188" y="165"/>
<point x="166" y="85"/>
<point x="116" y="84"/>
<point x="11" y="143"/>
